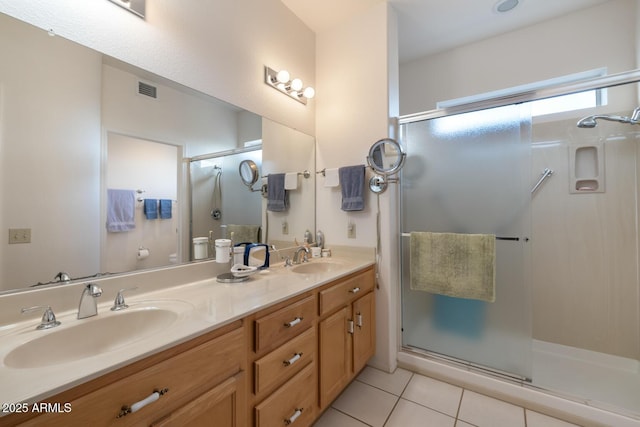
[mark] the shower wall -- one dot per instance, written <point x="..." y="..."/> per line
<point x="585" y="244"/>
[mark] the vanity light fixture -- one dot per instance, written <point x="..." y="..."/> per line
<point x="137" y="7"/>
<point x="281" y="80"/>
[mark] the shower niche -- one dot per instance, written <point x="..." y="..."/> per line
<point x="586" y="168"/>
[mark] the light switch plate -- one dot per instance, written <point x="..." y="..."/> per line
<point x="19" y="235"/>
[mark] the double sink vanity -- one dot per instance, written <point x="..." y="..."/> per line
<point x="274" y="350"/>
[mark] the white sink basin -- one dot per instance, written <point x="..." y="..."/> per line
<point x="316" y="267"/>
<point x="90" y="337"/>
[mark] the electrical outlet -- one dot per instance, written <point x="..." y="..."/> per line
<point x="19" y="235"/>
<point x="285" y="227"/>
<point x="351" y="231"/>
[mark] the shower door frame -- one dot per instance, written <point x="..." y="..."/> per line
<point x="619" y="79"/>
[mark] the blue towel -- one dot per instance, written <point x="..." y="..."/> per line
<point x="151" y="208"/>
<point x="352" y="183"/>
<point x="165" y="208"/>
<point x="121" y="206"/>
<point x="277" y="196"/>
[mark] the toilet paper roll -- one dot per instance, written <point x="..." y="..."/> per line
<point x="143" y="253"/>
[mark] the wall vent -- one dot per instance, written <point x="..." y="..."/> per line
<point x="147" y="90"/>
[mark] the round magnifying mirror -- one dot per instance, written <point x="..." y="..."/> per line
<point x="386" y="156"/>
<point x="248" y="172"/>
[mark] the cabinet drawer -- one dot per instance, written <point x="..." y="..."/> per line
<point x="345" y="291"/>
<point x="185" y="376"/>
<point x="284" y="324"/>
<point x="292" y="404"/>
<point x="282" y="363"/>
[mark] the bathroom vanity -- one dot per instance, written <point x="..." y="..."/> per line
<point x="279" y="362"/>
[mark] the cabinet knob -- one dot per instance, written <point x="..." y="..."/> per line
<point x="350" y="326"/>
<point x="359" y="320"/>
<point x="355" y="290"/>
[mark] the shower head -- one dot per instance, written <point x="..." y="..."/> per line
<point x="587" y="122"/>
<point x="590" y="121"/>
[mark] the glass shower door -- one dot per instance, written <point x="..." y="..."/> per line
<point x="470" y="173"/>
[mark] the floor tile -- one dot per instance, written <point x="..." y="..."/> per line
<point x="334" y="418"/>
<point x="535" y="419"/>
<point x="366" y="403"/>
<point x="463" y="424"/>
<point x="434" y="394"/>
<point x="408" y="414"/>
<point x="394" y="383"/>
<point x="484" y="411"/>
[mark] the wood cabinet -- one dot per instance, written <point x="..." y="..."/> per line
<point x="284" y="364"/>
<point x="347" y="332"/>
<point x="195" y="381"/>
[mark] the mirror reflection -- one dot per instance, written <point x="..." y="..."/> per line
<point x="386" y="156"/>
<point x="76" y="124"/>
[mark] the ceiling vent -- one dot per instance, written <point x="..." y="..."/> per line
<point x="147" y="90"/>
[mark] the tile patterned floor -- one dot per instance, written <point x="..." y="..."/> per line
<point x="405" y="399"/>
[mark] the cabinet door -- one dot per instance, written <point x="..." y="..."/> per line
<point x="222" y="406"/>
<point x="335" y="351"/>
<point x="364" y="335"/>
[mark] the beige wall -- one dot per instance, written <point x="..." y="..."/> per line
<point x="357" y="77"/>
<point x="217" y="47"/>
<point x="50" y="166"/>
<point x="585" y="247"/>
<point x="601" y="36"/>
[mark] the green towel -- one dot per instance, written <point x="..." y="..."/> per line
<point x="244" y="233"/>
<point x="456" y="265"/>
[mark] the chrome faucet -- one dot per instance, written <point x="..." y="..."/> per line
<point x="88" y="305"/>
<point x="296" y="255"/>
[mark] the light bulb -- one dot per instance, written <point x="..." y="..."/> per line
<point x="309" y="92"/>
<point x="282" y="76"/>
<point x="296" y="84"/>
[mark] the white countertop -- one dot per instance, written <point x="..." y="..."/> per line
<point x="207" y="305"/>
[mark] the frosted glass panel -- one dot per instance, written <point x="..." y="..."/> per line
<point x="470" y="173"/>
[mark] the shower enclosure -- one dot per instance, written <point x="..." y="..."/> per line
<point x="562" y="201"/>
<point x="218" y="196"/>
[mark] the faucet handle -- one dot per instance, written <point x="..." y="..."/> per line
<point x="48" y="318"/>
<point x="118" y="303"/>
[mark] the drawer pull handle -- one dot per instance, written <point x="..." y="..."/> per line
<point x="359" y="320"/>
<point x="293" y="360"/>
<point x="350" y="326"/>
<point x="142" y="403"/>
<point x="294" y="322"/>
<point x="293" y="417"/>
<point x="355" y="290"/>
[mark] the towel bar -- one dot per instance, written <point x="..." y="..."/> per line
<point x="513" y="239"/>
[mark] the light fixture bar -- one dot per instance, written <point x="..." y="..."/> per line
<point x="137" y="7"/>
<point x="292" y="87"/>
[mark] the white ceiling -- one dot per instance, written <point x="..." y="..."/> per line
<point x="429" y="26"/>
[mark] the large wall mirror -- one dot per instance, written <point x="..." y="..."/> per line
<point x="75" y="124"/>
